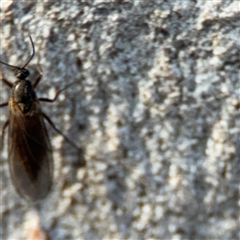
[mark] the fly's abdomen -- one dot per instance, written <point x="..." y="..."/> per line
<point x="30" y="157"/>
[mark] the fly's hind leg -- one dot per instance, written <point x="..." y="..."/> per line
<point x="80" y="150"/>
<point x="3" y="134"/>
<point x="9" y="84"/>
<point x="4" y="127"/>
<point x="3" y="104"/>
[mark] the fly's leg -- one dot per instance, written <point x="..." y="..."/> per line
<point x="3" y="133"/>
<point x="9" y="84"/>
<point x="3" y="79"/>
<point x="57" y="130"/>
<point x="3" y="104"/>
<point x="39" y="77"/>
<point x="80" y="150"/>
<point x="56" y="96"/>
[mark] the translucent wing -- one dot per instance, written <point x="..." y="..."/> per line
<point x="29" y="152"/>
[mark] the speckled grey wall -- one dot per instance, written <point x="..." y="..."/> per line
<point x="154" y="105"/>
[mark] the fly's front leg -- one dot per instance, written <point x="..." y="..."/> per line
<point x="39" y="77"/>
<point x="3" y="79"/>
<point x="9" y="84"/>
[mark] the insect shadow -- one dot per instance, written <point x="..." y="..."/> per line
<point x="29" y="150"/>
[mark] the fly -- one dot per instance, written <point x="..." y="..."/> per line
<point x="29" y="149"/>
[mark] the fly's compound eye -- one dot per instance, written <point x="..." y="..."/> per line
<point x="22" y="74"/>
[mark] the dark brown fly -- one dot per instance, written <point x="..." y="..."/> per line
<point x="29" y="150"/>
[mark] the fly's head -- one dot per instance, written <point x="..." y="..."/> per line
<point x="22" y="73"/>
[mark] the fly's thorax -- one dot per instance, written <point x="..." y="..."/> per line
<point x="23" y="94"/>
<point x="25" y="111"/>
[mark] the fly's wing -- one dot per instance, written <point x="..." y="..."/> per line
<point x="29" y="152"/>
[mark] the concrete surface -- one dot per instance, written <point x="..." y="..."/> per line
<point x="155" y="106"/>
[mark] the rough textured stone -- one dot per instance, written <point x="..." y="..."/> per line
<point x="155" y="105"/>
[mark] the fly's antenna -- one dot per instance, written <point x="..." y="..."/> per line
<point x="33" y="48"/>
<point x="16" y="67"/>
